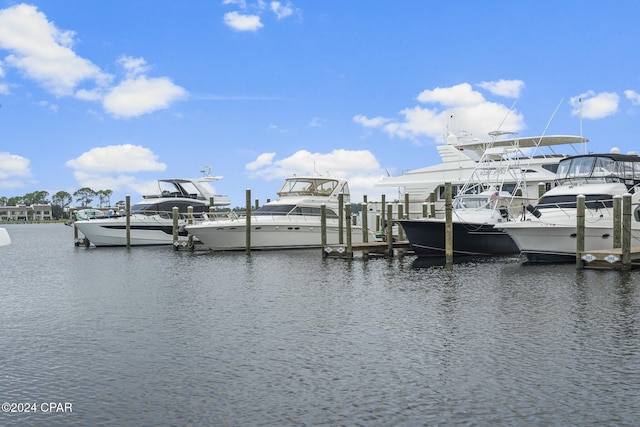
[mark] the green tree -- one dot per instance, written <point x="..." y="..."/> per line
<point x="105" y="197"/>
<point x="15" y="201"/>
<point x="61" y="200"/>
<point x="84" y="196"/>
<point x="35" y="198"/>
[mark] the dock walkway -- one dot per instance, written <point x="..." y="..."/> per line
<point x="379" y="248"/>
<point x="610" y="258"/>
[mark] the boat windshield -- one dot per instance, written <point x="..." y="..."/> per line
<point x="600" y="168"/>
<point x="472" y="202"/>
<point x="310" y="187"/>
<point x="177" y="188"/>
<point x="292" y="210"/>
<point x="166" y="208"/>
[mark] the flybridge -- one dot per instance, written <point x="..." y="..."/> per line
<point x="609" y="167"/>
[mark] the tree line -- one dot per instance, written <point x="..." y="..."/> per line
<point x="61" y="200"/>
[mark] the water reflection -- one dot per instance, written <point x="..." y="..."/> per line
<point x="288" y="338"/>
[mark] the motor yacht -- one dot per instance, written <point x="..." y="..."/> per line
<point x="502" y="182"/>
<point x="293" y="220"/>
<point x="151" y="219"/>
<point x="547" y="231"/>
<point x="530" y="160"/>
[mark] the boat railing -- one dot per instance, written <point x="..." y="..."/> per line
<point x="267" y="218"/>
<point x="167" y="214"/>
<point x="594" y="207"/>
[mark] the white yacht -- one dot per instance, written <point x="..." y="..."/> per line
<point x="495" y="190"/>
<point x="293" y="220"/>
<point x="459" y="162"/>
<point x="151" y="219"/>
<point x="546" y="232"/>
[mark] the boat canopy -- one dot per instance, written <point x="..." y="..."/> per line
<point x="609" y="167"/>
<point x="315" y="186"/>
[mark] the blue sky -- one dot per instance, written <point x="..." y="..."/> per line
<point x="116" y="94"/>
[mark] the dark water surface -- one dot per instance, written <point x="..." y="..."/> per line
<point x="150" y="337"/>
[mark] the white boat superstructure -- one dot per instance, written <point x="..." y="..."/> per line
<point x="495" y="189"/>
<point x="547" y="232"/>
<point x="151" y="219"/>
<point x="519" y="164"/>
<point x="293" y="220"/>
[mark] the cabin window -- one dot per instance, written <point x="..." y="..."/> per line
<point x="274" y="210"/>
<point x="592" y="201"/>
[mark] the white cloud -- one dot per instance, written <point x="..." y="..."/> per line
<point x="14" y="170"/>
<point x="340" y="162"/>
<point x="462" y="94"/>
<point x="125" y="158"/>
<point x="109" y="167"/>
<point x="240" y="22"/>
<point x="632" y="96"/>
<point x="281" y="11"/>
<point x="141" y="95"/>
<point x="133" y="66"/>
<point x="504" y="88"/>
<point x="594" y="106"/>
<point x="360" y="167"/>
<point x="261" y="161"/>
<point x="457" y="108"/>
<point x="240" y="3"/>
<point x="44" y="53"/>
<point x="12" y="165"/>
<point x="373" y="122"/>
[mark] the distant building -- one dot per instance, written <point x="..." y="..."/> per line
<point x="25" y="213"/>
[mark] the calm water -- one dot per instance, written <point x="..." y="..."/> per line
<point x="156" y="337"/>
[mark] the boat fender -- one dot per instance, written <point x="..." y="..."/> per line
<point x="534" y="211"/>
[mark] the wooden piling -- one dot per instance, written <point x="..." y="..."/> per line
<point x="626" y="231"/>
<point x="175" y="214"/>
<point x="365" y="223"/>
<point x="406" y="205"/>
<point x="400" y="216"/>
<point x="248" y="222"/>
<point x="190" y="221"/>
<point x="617" y="221"/>
<point x="349" y="247"/>
<point x="389" y="230"/>
<point x="341" y="218"/>
<point x="580" y="205"/>
<point x="448" y="233"/>
<point x="323" y="228"/>
<point x="128" y="220"/>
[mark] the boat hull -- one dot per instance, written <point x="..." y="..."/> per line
<point x="427" y="239"/>
<point x="554" y="243"/>
<point x="146" y="231"/>
<point x="270" y="234"/>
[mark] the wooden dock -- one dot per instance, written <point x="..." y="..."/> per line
<point x="611" y="259"/>
<point x="378" y="248"/>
